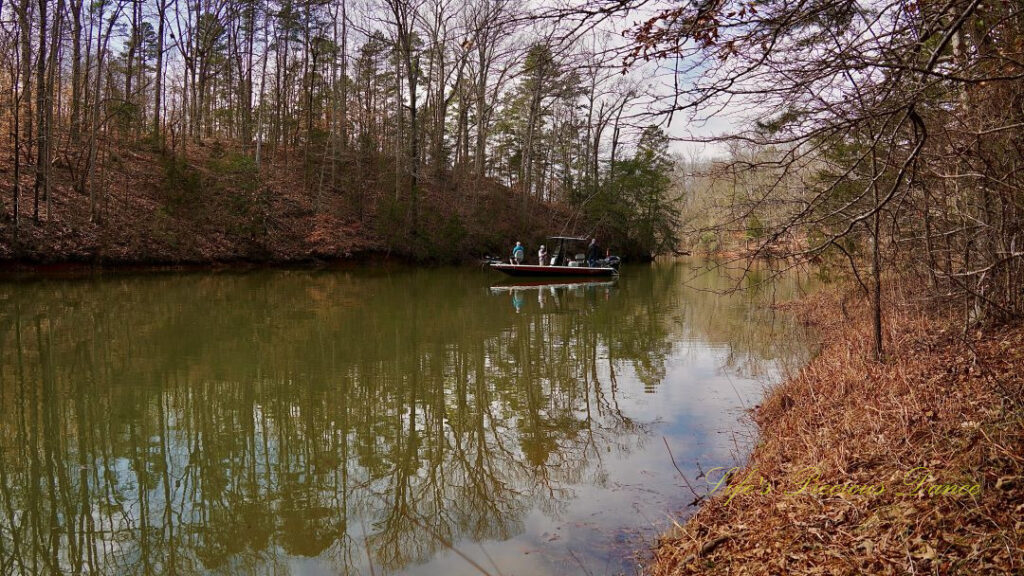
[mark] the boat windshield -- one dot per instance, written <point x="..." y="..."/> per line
<point x="566" y="250"/>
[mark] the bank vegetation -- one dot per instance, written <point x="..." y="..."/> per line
<point x="909" y="466"/>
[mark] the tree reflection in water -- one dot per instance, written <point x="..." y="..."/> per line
<point x="236" y="423"/>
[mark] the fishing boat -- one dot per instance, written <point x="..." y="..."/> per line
<point x="565" y="261"/>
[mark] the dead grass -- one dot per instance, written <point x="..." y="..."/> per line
<point x="946" y="408"/>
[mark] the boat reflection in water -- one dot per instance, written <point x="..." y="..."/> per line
<point x="552" y="295"/>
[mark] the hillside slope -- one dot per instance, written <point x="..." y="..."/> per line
<point x="213" y="205"/>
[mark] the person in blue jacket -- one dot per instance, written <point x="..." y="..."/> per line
<point x="518" y="253"/>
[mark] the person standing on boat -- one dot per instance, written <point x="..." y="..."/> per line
<point x="593" y="253"/>
<point x="518" y="253"/>
<point x="542" y="255"/>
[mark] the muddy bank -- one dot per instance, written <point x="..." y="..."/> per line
<point x="915" y="465"/>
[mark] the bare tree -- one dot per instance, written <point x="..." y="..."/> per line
<point x="857" y="107"/>
<point x="158" y="73"/>
<point x="404" y="16"/>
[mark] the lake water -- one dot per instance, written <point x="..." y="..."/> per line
<point x="370" y="421"/>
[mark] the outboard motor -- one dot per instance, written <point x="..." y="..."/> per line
<point x="610" y="262"/>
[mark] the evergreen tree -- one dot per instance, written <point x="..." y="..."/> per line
<point x="635" y="204"/>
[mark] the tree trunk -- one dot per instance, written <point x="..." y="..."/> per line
<point x="399" y="131"/>
<point x="344" y="75"/>
<point x="41" y="160"/>
<point x="526" y="170"/>
<point x="133" y="46"/>
<point x="412" y="65"/>
<point x="25" y="25"/>
<point x="51" y="74"/>
<point x="76" y="70"/>
<point x="480" y="155"/>
<point x="876" y="268"/>
<point x="158" y="86"/>
<point x="615" y="139"/>
<point x="245" y="98"/>
<point x="94" y="129"/>
<point x="16" y="133"/>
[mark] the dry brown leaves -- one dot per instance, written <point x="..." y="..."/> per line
<point x="944" y="409"/>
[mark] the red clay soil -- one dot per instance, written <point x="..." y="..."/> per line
<point x="142" y="220"/>
<point x="148" y="213"/>
<point x="911" y="466"/>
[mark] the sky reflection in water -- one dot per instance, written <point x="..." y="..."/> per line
<point x="320" y="422"/>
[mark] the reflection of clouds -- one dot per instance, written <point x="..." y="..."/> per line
<point x="236" y="424"/>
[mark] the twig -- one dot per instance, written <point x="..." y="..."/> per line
<point x="697" y="497"/>
<point x="580" y="562"/>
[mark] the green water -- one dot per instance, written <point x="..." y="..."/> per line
<point x="382" y="421"/>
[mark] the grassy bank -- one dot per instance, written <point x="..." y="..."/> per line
<point x="911" y="466"/>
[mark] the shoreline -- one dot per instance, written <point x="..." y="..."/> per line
<point x="15" y="268"/>
<point x="914" y="465"/>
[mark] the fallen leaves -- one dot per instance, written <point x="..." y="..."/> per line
<point x="955" y="412"/>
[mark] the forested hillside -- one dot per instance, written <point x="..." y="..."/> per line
<point x="164" y="130"/>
